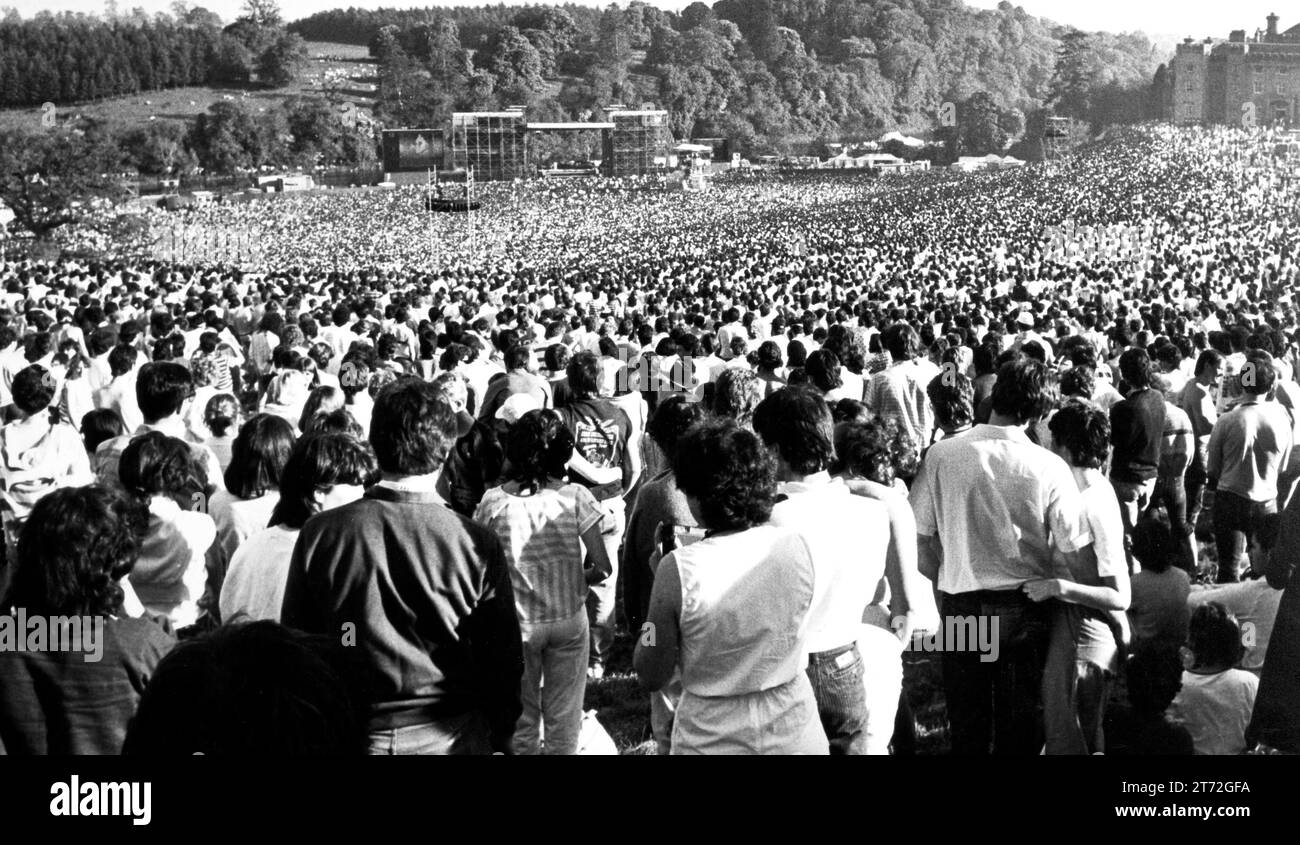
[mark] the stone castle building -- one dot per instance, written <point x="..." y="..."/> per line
<point x="1214" y="81"/>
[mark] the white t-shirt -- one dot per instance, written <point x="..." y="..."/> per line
<point x="1216" y="709"/>
<point x="254" y="585"/>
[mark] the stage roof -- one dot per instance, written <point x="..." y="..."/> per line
<point x="569" y="127"/>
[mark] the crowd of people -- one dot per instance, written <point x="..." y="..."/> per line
<point x="403" y="488"/>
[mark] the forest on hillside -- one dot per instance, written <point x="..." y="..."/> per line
<point x="766" y="73"/>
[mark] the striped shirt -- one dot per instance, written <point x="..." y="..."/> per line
<point x="541" y="534"/>
<point x="899" y="394"/>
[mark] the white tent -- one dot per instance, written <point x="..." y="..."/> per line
<point x="901" y="138"/>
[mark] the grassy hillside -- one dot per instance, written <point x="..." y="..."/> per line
<point x="341" y="71"/>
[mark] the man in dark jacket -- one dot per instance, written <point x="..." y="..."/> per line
<point x="423" y="592"/>
<point x="1137" y="425"/>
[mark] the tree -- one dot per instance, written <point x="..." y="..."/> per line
<point x="280" y="62"/>
<point x="157" y="147"/>
<point x="50" y="179"/>
<point x="263" y="13"/>
<point x="979" y="130"/>
<point x="232" y="61"/>
<point x="1069" y="90"/>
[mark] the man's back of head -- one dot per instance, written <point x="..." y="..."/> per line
<point x="412" y="428"/>
<point x="796" y="424"/>
<point x="161" y="389"/>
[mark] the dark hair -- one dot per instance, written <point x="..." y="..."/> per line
<point x="850" y="410"/>
<point x="796" y="354"/>
<point x="769" y="355"/>
<point x="796" y="424"/>
<point x="954" y="404"/>
<point x="517" y="357"/>
<point x="33" y="389"/>
<point x="154" y="464"/>
<point x="557" y="357"/>
<point x="1083" y="430"/>
<point x="1021" y="391"/>
<point x="673" y="418"/>
<point x="161" y="389"/>
<point x="253" y="689"/>
<point x="76" y="545"/>
<point x="322" y="400"/>
<point x="823" y="367"/>
<point x="1135" y="368"/>
<point x="99" y="426"/>
<point x="220" y="414"/>
<point x="1155" y="675"/>
<point x="258" y="456"/>
<point x="121" y="360"/>
<point x="1079" y="381"/>
<point x="869" y="449"/>
<point x="1207" y="358"/>
<point x="538" y="446"/>
<point x="901" y="341"/>
<point x="1257" y="374"/>
<point x="413" y="427"/>
<point x="339" y="421"/>
<point x="1214" y="636"/>
<point x="736" y="393"/>
<point x="1153" y="541"/>
<point x="321" y="460"/>
<point x="584" y="372"/>
<point x="727" y="470"/>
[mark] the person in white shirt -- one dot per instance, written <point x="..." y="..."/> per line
<point x="163" y="391"/>
<point x="37" y="455"/>
<point x="848" y="537"/>
<point x="991" y="509"/>
<point x="1092" y="591"/>
<point x="324" y="471"/>
<point x="1216" y="700"/>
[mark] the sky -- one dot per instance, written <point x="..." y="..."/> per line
<point x="1166" y="19"/>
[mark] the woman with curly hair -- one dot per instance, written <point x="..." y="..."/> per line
<point x="730" y="609"/>
<point x="551" y="532"/>
<point x="74" y="549"/>
<point x="163" y="474"/>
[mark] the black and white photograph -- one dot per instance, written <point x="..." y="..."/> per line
<point x="901" y="378"/>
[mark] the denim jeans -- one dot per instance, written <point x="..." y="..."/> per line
<point x="1171" y="493"/>
<point x="1194" y="484"/>
<point x="602" y="598"/>
<point x="555" y="679"/>
<point x="1076" y="680"/>
<point x="994" y="705"/>
<point x="1237" y="523"/>
<point x="836" y="677"/>
<point x="467" y="733"/>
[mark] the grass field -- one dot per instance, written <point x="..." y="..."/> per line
<point x="341" y="71"/>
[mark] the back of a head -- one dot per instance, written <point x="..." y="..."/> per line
<point x="154" y="464"/>
<point x="161" y="388"/>
<point x="1135" y="368"/>
<point x="1214" y="636"/>
<point x="74" y="548"/>
<point x="726" y="469"/>
<point x="1021" y="391"/>
<point x="796" y="424"/>
<point x="413" y="427"/>
<point x="1258" y="374"/>
<point x="1083" y="430"/>
<point x="736" y="395"/>
<point x="901" y="341"/>
<point x="257" y="689"/>
<point x="671" y="420"/>
<point x="320" y="462"/>
<point x="538" y="447"/>
<point x="258" y="456"/>
<point x="585" y="375"/>
<point x="33" y="389"/>
<point x="121" y="360"/>
<point x="1155" y="675"/>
